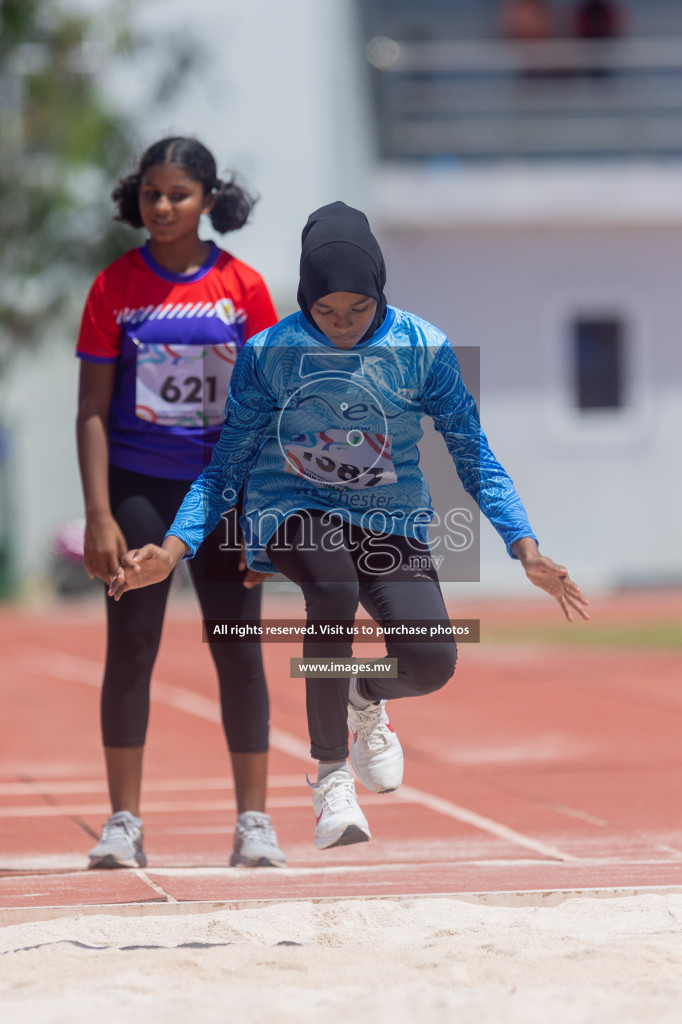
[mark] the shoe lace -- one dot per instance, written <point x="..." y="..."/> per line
<point x="260" y="829"/>
<point x="113" y="830"/>
<point x="338" y="790"/>
<point x="372" y="726"/>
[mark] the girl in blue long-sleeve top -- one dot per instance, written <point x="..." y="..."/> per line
<point x="322" y="425"/>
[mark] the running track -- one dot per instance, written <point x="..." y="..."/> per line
<point x="535" y="769"/>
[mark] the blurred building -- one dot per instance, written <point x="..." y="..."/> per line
<point x="529" y="199"/>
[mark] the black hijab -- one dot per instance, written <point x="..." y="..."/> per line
<point x="339" y="253"/>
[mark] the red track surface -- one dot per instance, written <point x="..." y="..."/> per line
<point x="536" y="768"/>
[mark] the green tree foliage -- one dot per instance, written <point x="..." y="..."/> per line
<point x="60" y="150"/>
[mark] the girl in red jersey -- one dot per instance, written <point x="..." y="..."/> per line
<point x="160" y="332"/>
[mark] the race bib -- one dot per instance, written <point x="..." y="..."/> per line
<point x="347" y="459"/>
<point x="183" y="385"/>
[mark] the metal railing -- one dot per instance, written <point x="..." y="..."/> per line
<point x="559" y="99"/>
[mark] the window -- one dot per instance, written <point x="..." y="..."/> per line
<point x="598" y="362"/>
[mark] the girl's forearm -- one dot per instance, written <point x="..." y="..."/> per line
<point x="93" y="460"/>
<point x="95" y="389"/>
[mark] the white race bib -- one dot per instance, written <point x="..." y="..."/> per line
<point x="183" y="385"/>
<point x="342" y="458"/>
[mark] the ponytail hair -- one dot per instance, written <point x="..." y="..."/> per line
<point x="125" y="195"/>
<point x="232" y="204"/>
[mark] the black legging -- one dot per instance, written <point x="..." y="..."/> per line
<point x="335" y="566"/>
<point x="144" y="508"/>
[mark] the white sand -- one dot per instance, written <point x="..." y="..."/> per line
<point x="587" y="960"/>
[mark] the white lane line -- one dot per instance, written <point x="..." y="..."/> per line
<point x="436" y="803"/>
<point x="287" y="743"/>
<point x="415" y="867"/>
<point x="144" y="877"/>
<point x="571" y="812"/>
<point x="98" y="786"/>
<point x="165" y="806"/>
<point x="669" y="849"/>
<point x="76" y="669"/>
<point x="60" y="666"/>
<point x="71" y="865"/>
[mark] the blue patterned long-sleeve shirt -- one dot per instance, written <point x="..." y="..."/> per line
<point x="308" y="425"/>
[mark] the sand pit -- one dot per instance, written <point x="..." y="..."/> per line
<point x="584" y="960"/>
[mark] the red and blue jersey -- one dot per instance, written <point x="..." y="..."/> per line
<point x="174" y="339"/>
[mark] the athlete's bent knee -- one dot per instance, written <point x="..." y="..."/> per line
<point x="434" y="666"/>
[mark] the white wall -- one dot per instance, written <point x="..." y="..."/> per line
<point x="603" y="489"/>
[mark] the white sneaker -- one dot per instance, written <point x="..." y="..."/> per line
<point x="375" y="751"/>
<point x="121" y="843"/>
<point x="338" y="818"/>
<point x="255" y="842"/>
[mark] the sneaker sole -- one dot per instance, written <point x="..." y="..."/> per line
<point x="263" y="862"/>
<point x="350" y="835"/>
<point x="109" y="863"/>
<point x="389" y="789"/>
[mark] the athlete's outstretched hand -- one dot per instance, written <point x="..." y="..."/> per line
<point x="553" y="578"/>
<point x="143" y="566"/>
